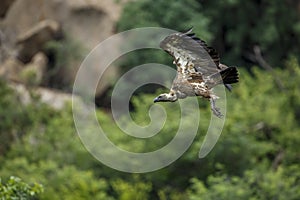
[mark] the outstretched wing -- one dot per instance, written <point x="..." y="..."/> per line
<point x="191" y="54"/>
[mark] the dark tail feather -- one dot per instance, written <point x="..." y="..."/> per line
<point x="230" y="75"/>
<point x="226" y="76"/>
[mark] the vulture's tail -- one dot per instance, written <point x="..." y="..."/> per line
<point x="226" y="76"/>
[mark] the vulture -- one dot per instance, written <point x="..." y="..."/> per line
<point x="198" y="69"/>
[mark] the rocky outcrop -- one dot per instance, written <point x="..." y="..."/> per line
<point x="52" y="98"/>
<point x="10" y="69"/>
<point x="30" y="24"/>
<point x="33" y="73"/>
<point x="30" y="74"/>
<point x="88" y="21"/>
<point x="34" y="40"/>
<point x="4" y="6"/>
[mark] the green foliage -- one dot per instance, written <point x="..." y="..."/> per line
<point x="48" y="151"/>
<point x="128" y="191"/>
<point x="63" y="55"/>
<point x="261" y="134"/>
<point x="272" y="25"/>
<point x="65" y="182"/>
<point x="179" y="15"/>
<point x="15" y="119"/>
<point x="64" y="51"/>
<point x="233" y="26"/>
<point x="30" y="77"/>
<point x="279" y="184"/>
<point x="256" y="156"/>
<point x="15" y="188"/>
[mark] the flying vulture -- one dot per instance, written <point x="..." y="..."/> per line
<point x="198" y="69"/>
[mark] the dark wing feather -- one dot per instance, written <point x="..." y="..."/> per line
<point x="189" y="48"/>
<point x="211" y="51"/>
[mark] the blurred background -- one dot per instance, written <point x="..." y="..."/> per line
<point x="42" y="44"/>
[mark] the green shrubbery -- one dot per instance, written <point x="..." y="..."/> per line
<point x="15" y="188"/>
<point x="64" y="56"/>
<point x="256" y="156"/>
<point x="233" y="27"/>
<point x="282" y="183"/>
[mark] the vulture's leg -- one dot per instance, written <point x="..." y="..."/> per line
<point x="215" y="110"/>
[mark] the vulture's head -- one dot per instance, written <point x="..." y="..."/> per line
<point x="166" y="97"/>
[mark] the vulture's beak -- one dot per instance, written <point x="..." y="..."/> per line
<point x="156" y="100"/>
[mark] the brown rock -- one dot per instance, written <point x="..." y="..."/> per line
<point x="10" y="69"/>
<point x="33" y="73"/>
<point x="87" y="21"/>
<point x="4" y="6"/>
<point x="53" y="98"/>
<point x="34" y="39"/>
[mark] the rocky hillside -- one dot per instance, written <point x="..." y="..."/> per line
<point x="26" y="27"/>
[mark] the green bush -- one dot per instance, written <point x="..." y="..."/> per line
<point x="128" y="191"/>
<point x="255" y="157"/>
<point x="63" y="56"/>
<point x="280" y="184"/>
<point x="60" y="182"/>
<point x="15" y="188"/>
<point x="272" y="25"/>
